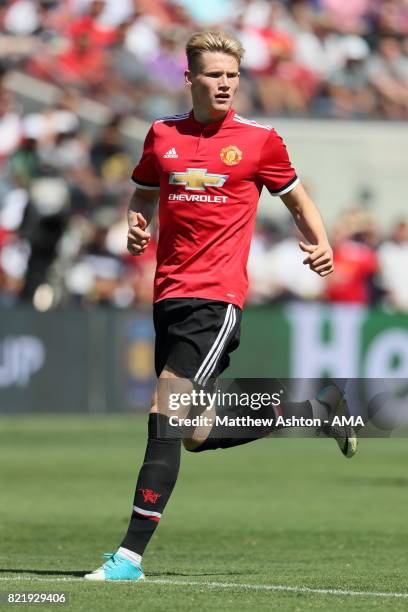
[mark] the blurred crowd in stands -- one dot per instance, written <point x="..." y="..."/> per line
<point x="335" y="58"/>
<point x="64" y="191"/>
<point x="370" y="267"/>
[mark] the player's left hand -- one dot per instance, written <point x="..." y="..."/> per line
<point x="320" y="258"/>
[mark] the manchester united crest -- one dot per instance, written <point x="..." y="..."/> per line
<point x="231" y="155"/>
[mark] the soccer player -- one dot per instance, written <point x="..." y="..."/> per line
<point x="209" y="167"/>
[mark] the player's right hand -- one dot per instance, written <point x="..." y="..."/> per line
<point x="137" y="238"/>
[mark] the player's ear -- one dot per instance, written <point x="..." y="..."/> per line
<point x="187" y="78"/>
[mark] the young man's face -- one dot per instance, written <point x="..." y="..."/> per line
<point x="213" y="81"/>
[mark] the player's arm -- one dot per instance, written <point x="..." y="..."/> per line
<point x="140" y="214"/>
<point x="309" y="221"/>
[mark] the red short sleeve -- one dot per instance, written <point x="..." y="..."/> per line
<point x="145" y="174"/>
<point x="275" y="170"/>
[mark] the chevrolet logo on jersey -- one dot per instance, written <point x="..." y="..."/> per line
<point x="197" y="179"/>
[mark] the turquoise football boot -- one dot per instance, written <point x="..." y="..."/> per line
<point x="117" y="567"/>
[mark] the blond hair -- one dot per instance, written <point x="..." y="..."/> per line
<point x="220" y="42"/>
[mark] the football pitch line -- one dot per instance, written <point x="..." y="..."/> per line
<point x="224" y="585"/>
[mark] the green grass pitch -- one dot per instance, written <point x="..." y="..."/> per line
<point x="288" y="513"/>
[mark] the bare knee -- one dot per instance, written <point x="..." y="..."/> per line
<point x="191" y="444"/>
<point x="168" y="374"/>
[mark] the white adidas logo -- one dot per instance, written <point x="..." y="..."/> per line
<point x="172" y="153"/>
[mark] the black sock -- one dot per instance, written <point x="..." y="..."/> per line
<point x="155" y="483"/>
<point x="228" y="436"/>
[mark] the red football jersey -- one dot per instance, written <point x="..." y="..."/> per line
<point x="210" y="178"/>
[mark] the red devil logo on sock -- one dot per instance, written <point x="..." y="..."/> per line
<point x="149" y="495"/>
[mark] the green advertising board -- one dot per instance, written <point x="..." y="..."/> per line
<point x="102" y="360"/>
<point x="311" y="340"/>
